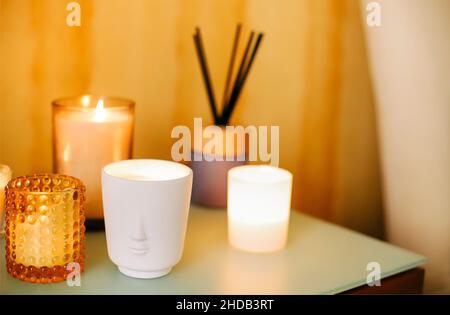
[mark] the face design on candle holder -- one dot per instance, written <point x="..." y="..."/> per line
<point x="138" y="235"/>
<point x="132" y="233"/>
<point x="138" y="240"/>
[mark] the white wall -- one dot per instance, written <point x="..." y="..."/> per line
<point x="410" y="66"/>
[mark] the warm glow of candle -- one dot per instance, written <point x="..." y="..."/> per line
<point x="89" y="137"/>
<point x="66" y="153"/>
<point x="86" y="100"/>
<point x="100" y="112"/>
<point x="259" y="201"/>
<point x="47" y="231"/>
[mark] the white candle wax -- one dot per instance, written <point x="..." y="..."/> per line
<point x="259" y="201"/>
<point x="86" y="141"/>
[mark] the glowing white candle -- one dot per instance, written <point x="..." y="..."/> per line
<point x="89" y="133"/>
<point x="259" y="202"/>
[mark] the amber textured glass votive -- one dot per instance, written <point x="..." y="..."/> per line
<point x="44" y="227"/>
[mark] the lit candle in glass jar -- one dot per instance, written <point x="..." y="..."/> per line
<point x="259" y="202"/>
<point x="90" y="132"/>
<point x="44" y="228"/>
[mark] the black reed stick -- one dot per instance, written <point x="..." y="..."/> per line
<point x="240" y="82"/>
<point x="226" y="97"/>
<point x="205" y="70"/>
<point x="226" y="109"/>
<point x="230" y="99"/>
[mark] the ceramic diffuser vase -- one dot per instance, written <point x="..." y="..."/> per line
<point x="210" y="165"/>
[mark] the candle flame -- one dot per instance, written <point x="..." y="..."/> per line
<point x="66" y="153"/>
<point x="100" y="105"/>
<point x="85" y="100"/>
<point x="100" y="111"/>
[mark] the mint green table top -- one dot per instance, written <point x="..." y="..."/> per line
<point x="320" y="258"/>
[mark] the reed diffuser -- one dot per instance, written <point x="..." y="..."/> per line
<point x="210" y="174"/>
<point x="230" y="96"/>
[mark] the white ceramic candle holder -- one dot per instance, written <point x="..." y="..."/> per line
<point x="146" y="205"/>
<point x="259" y="202"/>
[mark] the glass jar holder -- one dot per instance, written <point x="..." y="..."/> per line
<point x="44" y="227"/>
